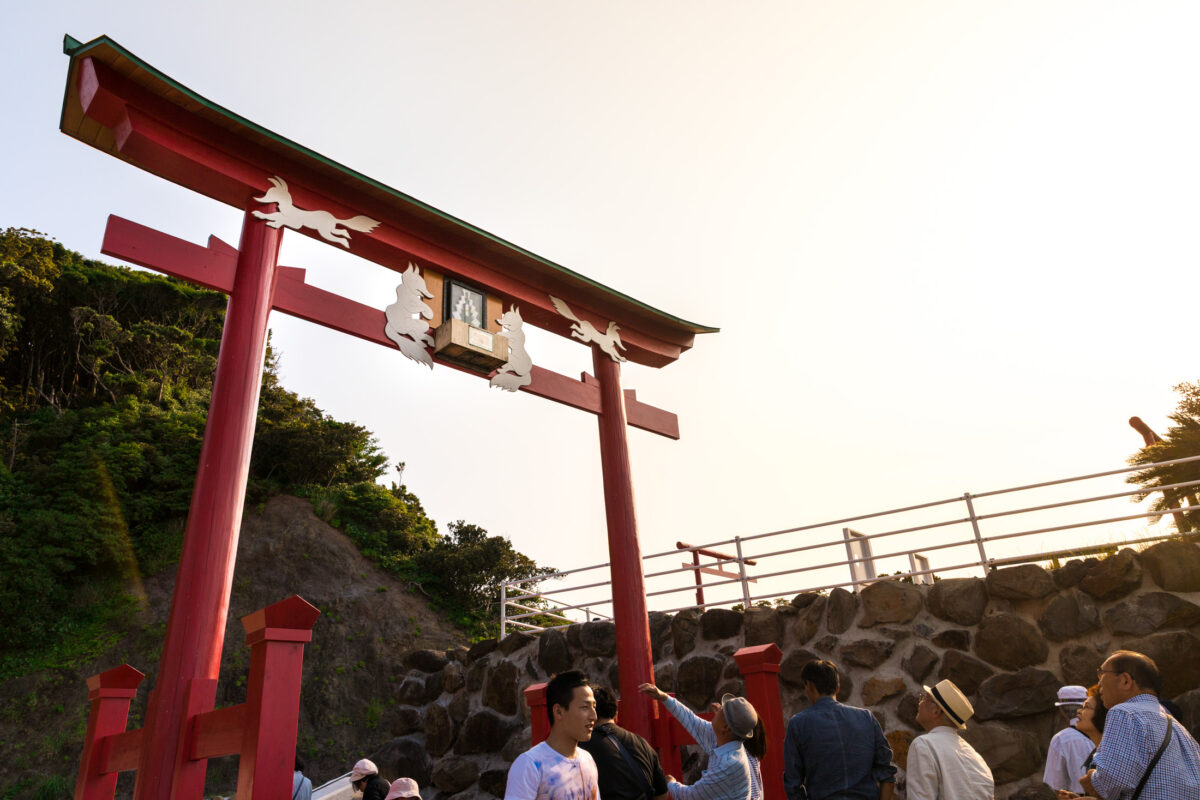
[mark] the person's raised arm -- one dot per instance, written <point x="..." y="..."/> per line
<point x="699" y="729"/>
<point x="652" y="690"/>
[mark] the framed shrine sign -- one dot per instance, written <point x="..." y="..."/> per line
<point x="463" y="298"/>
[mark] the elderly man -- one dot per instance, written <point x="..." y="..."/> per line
<point x="1144" y="753"/>
<point x="941" y="766"/>
<point x="728" y="774"/>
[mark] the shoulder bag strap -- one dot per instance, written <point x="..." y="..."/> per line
<point x="633" y="765"/>
<point x="1146" y="776"/>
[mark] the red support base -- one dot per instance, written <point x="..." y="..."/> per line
<point x="276" y="636"/>
<point x="110" y="694"/>
<point x="261" y="731"/>
<point x="760" y="671"/>
<point x="535" y="698"/>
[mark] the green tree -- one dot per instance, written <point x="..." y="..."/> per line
<point x="1181" y="440"/>
<point x="296" y="444"/>
<point x="465" y="570"/>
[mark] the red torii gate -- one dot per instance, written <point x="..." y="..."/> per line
<point x="126" y="108"/>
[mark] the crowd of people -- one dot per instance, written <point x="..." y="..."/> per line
<point x="1121" y="744"/>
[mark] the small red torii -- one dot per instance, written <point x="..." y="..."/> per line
<point x="122" y="106"/>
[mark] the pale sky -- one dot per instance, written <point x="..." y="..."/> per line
<point x="950" y="246"/>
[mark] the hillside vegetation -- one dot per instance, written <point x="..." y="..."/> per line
<point x="105" y="380"/>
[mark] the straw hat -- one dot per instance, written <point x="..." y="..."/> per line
<point x="951" y="701"/>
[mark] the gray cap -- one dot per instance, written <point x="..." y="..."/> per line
<point x="740" y="716"/>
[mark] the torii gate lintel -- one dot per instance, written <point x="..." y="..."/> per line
<point x="213" y="266"/>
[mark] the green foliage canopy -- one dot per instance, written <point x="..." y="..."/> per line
<point x="105" y="380"/>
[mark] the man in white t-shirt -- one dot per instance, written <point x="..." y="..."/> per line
<point x="557" y="769"/>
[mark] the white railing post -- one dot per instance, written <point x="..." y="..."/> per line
<point x="503" y="608"/>
<point x="983" y="560"/>
<point x="737" y="540"/>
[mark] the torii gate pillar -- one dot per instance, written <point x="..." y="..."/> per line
<point x="624" y="553"/>
<point x="196" y="628"/>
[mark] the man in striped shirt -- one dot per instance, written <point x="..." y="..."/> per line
<point x="727" y="776"/>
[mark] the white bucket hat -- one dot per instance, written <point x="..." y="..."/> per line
<point x="1071" y="696"/>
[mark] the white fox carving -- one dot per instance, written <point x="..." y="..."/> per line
<point x="322" y="222"/>
<point x="586" y="332"/>
<point x="515" y="373"/>
<point x="406" y="325"/>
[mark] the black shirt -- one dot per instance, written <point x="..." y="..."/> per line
<point x="617" y="781"/>
<point x="376" y="789"/>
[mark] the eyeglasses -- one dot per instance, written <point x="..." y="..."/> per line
<point x="1100" y="672"/>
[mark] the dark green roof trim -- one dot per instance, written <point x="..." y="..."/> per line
<point x="73" y="48"/>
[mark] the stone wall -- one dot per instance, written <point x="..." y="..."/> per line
<point x="1008" y="642"/>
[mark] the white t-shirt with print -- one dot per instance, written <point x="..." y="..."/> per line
<point x="542" y="773"/>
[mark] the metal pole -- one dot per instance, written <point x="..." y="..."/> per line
<point x="624" y="552"/>
<point x="503" y="609"/>
<point x="983" y="559"/>
<point x="737" y="541"/>
<point x="699" y="581"/>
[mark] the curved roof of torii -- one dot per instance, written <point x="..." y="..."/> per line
<point x="121" y="105"/>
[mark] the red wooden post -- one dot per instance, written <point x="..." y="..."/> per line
<point x="196" y="628"/>
<point x="665" y="744"/>
<point x="624" y="552"/>
<point x="760" y="670"/>
<point x="276" y="636"/>
<point x="110" y="694"/>
<point x="535" y="698"/>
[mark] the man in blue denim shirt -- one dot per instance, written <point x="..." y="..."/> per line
<point x="833" y="750"/>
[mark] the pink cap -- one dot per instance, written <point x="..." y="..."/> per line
<point x="364" y="768"/>
<point x="403" y="787"/>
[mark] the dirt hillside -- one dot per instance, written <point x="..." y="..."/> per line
<point x="368" y="619"/>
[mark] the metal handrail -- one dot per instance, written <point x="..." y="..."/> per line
<point x="978" y="539"/>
